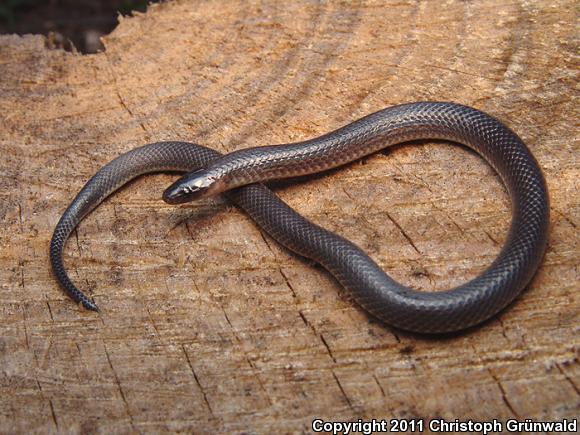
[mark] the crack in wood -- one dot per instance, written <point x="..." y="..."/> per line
<point x="495" y="242"/>
<point x="151" y="320"/>
<point x="76" y="233"/>
<point x="504" y="396"/>
<point x="203" y="393"/>
<point x="565" y="217"/>
<point x="503" y="331"/>
<point x="50" y="404"/>
<point x="121" y="392"/>
<point x="405" y="235"/>
<point x="254" y="371"/>
<point x="21" y="265"/>
<point x="327" y="347"/>
<point x="53" y="413"/>
<point x="342" y="390"/>
<point x="570" y="381"/>
<point x="303" y="317"/>
<point x="20" y="218"/>
<point x="379" y="385"/>
<point x="396" y="335"/>
<point x="288" y="283"/>
<point x="118" y="92"/>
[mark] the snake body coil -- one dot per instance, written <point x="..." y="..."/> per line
<point x="403" y="307"/>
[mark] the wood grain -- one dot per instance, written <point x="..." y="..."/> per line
<point x="206" y="324"/>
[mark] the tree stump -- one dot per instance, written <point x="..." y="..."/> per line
<point x="206" y="324"/>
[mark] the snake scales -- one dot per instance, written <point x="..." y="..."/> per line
<point x="239" y="173"/>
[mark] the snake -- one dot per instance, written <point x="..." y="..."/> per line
<point x="241" y="174"/>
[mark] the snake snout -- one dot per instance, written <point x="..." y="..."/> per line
<point x="194" y="185"/>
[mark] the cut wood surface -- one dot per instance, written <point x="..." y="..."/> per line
<point x="206" y="324"/>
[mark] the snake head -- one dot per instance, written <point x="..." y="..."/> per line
<point x="192" y="186"/>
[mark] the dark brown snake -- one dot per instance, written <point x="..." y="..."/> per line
<point x="395" y="304"/>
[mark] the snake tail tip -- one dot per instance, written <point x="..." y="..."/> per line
<point x="90" y="306"/>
